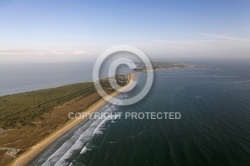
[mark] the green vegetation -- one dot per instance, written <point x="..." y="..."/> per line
<point x="141" y="67"/>
<point x="18" y="109"/>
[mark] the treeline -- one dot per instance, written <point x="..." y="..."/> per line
<point x="19" y="108"/>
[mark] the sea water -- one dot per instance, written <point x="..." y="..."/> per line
<point x="214" y="128"/>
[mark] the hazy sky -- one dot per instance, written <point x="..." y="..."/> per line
<point x="33" y="29"/>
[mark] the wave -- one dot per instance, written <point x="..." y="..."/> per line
<point x="66" y="146"/>
<point x="78" y="142"/>
<point x="238" y="82"/>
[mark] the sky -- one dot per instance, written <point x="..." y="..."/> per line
<point x="80" y="29"/>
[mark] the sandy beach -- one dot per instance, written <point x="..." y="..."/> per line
<point x="30" y="155"/>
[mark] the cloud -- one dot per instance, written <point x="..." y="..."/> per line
<point x="29" y="55"/>
<point x="183" y="42"/>
<point x="221" y="37"/>
<point x="41" y="52"/>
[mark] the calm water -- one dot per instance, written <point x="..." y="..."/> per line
<point x="214" y="128"/>
<point x="23" y="77"/>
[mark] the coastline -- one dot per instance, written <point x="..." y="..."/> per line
<point x="30" y="155"/>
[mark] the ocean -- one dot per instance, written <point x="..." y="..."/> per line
<point x="23" y="77"/>
<point x="214" y="128"/>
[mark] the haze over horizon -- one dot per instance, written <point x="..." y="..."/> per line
<point x="72" y="30"/>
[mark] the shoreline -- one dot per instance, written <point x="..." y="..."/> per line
<point x="35" y="151"/>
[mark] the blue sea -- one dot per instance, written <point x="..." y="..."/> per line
<point x="214" y="128"/>
<point x="23" y="77"/>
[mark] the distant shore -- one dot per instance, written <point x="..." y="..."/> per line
<point x="30" y="155"/>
